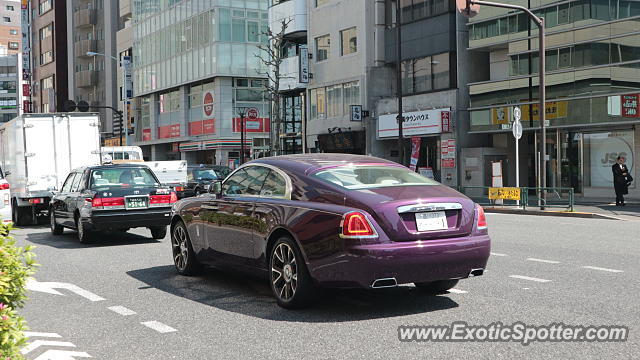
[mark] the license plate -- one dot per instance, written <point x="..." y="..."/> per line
<point x="430" y="221"/>
<point x="137" y="202"/>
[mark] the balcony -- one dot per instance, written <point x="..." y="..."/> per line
<point x="84" y="18"/>
<point x="83" y="46"/>
<point x="86" y="78"/>
<point x="125" y="7"/>
<point x="289" y="74"/>
<point x="296" y="10"/>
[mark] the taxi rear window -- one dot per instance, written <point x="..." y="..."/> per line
<point x="122" y="177"/>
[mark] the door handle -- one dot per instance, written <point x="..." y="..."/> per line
<point x="210" y="207"/>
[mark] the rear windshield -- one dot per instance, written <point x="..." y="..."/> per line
<point x="204" y="175"/>
<point x="129" y="176"/>
<point x="368" y="177"/>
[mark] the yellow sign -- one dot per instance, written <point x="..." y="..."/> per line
<point x="500" y="115"/>
<point x="554" y="110"/>
<point x="112" y="142"/>
<point x="505" y="193"/>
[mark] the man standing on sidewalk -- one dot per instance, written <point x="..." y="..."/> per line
<point x="621" y="180"/>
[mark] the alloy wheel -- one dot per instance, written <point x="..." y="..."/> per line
<point x="180" y="248"/>
<point x="284" y="271"/>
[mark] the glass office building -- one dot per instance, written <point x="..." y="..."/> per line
<point x="593" y="89"/>
<point x="195" y="69"/>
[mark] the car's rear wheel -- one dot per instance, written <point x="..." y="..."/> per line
<point x="158" y="232"/>
<point x="437" y="287"/>
<point x="56" y="229"/>
<point x="291" y="283"/>
<point x="21" y="215"/>
<point x="84" y="235"/>
<point x="184" y="258"/>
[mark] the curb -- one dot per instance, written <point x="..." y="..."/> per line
<point x="584" y="215"/>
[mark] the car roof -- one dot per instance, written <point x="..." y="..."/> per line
<point x="308" y="163"/>
<point x="114" y="166"/>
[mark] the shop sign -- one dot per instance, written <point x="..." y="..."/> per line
<point x="445" y="118"/>
<point x="303" y="65"/>
<point x="415" y="152"/>
<point x="630" y="105"/>
<point x="146" y="134"/>
<point x="207" y="104"/>
<point x="604" y="148"/>
<point x="415" y="123"/>
<point x="500" y="115"/>
<point x="448" y="163"/>
<point x="554" y="110"/>
<point x="504" y="193"/>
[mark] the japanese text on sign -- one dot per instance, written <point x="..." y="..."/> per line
<point x="505" y="193"/>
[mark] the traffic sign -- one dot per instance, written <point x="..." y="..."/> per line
<point x="252" y="113"/>
<point x="516" y="129"/>
<point x="517" y="113"/>
<point x="356" y="112"/>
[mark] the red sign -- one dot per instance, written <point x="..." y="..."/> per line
<point x="169" y="131"/>
<point x="146" y="134"/>
<point x="202" y="127"/>
<point x="445" y="118"/>
<point x="208" y="104"/>
<point x="253" y="125"/>
<point x="415" y="152"/>
<point x="448" y="163"/>
<point x="26" y="90"/>
<point x="252" y="113"/>
<point x="175" y="147"/>
<point x="630" y="105"/>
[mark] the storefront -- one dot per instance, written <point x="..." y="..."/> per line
<point x="217" y="151"/>
<point x="347" y="142"/>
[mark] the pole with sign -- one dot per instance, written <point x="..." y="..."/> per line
<point x="516" y="129"/>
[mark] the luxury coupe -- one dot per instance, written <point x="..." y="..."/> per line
<point x="332" y="220"/>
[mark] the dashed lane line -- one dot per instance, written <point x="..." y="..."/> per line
<point x="602" y="269"/>
<point x="158" y="326"/>
<point x="121" y="310"/>
<point x="32" y="334"/>
<point x="544" y="261"/>
<point x="522" y="277"/>
<point x="457" y="291"/>
<point x="498" y="254"/>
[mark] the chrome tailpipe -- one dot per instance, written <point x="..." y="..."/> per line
<point x="476" y="272"/>
<point x="384" y="283"/>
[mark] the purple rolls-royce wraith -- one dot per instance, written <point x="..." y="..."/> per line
<point x="332" y="220"/>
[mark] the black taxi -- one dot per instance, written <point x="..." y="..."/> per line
<point x="111" y="198"/>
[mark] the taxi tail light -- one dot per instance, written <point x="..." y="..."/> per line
<point x="163" y="199"/>
<point x="179" y="188"/>
<point x="356" y="224"/>
<point x="5" y="186"/>
<point x="101" y="203"/>
<point x="481" y="218"/>
<point x="36" y="201"/>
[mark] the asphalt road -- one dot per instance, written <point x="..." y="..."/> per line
<point x="150" y="312"/>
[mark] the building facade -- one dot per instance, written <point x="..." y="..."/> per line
<point x="9" y="85"/>
<point x="196" y="69"/>
<point x="48" y="57"/>
<point x="593" y="92"/>
<point x="10" y="30"/>
<point x="126" y="104"/>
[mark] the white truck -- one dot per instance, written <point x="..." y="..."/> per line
<point x="38" y="151"/>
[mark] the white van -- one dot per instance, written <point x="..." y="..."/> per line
<point x="122" y="154"/>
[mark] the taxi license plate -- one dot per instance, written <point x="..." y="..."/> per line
<point x="430" y="221"/>
<point x="137" y="202"/>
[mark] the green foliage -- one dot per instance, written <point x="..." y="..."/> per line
<point x="16" y="265"/>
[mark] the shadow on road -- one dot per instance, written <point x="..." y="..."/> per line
<point x="251" y="296"/>
<point x="69" y="239"/>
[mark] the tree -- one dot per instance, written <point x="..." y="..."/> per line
<point x="271" y="57"/>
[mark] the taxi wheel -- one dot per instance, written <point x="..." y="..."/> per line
<point x="436" y="287"/>
<point x="158" y="232"/>
<point x="84" y="235"/>
<point x="56" y="229"/>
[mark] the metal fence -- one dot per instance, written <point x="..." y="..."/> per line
<point x="555" y="197"/>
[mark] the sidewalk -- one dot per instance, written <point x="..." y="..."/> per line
<point x="582" y="209"/>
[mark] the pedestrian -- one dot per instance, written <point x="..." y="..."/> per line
<point x="621" y="180"/>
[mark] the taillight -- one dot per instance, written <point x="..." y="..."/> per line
<point x="101" y="203"/>
<point x="482" y="219"/>
<point x="355" y="224"/>
<point x="4" y="186"/>
<point x="174" y="198"/>
<point x="163" y="199"/>
<point x="36" y="201"/>
<point x="179" y="188"/>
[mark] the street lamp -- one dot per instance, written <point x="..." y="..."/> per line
<point x="92" y="53"/>
<point x="470" y="8"/>
<point x="242" y="113"/>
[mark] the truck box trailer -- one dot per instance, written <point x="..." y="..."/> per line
<point x="38" y="151"/>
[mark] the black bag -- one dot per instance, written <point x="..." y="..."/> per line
<point x="628" y="180"/>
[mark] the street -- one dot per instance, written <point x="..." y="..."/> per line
<point x="126" y="301"/>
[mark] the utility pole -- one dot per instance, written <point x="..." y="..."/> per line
<point x="242" y="112"/>
<point x="400" y="118"/>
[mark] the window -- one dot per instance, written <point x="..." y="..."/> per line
<point x="246" y="181"/>
<point x="323" y="48"/>
<point x="124" y="176"/>
<point x="348" y="41"/>
<point x="76" y="183"/>
<point x="6" y="19"/>
<point x="67" y="183"/>
<point x="13" y="32"/>
<point x="368" y="177"/>
<point x="274" y="185"/>
<point x="413" y="10"/>
<point x="45" y="5"/>
<point x="426" y="74"/>
<point x="321" y="2"/>
<point x="10" y="8"/>
<point x="7" y="87"/>
<point x="14" y="45"/>
<point x="46" y="57"/>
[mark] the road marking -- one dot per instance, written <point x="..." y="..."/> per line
<point x="48" y="287"/>
<point x="544" y="261"/>
<point x="529" y="278"/>
<point x="498" y="254"/>
<point x="158" y="326"/>
<point x="602" y="269"/>
<point x="121" y="310"/>
<point x="36" y="344"/>
<point x="62" y="355"/>
<point x="31" y="334"/>
<point x="457" y="291"/>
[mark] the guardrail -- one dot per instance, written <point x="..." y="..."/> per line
<point x="555" y="197"/>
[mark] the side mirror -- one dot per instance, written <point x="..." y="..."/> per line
<point x="215" y="187"/>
